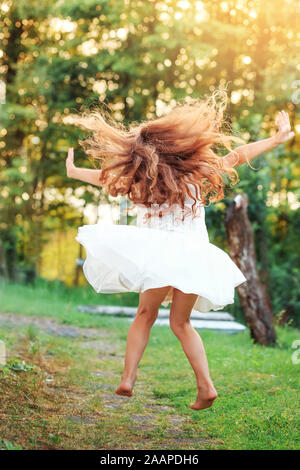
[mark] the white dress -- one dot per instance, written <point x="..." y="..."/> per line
<point x="160" y="251"/>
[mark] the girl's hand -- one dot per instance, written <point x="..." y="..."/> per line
<point x="70" y="167"/>
<point x="284" y="128"/>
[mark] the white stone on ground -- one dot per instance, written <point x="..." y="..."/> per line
<point x="221" y="321"/>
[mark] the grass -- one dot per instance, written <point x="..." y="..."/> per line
<point x="53" y="299"/>
<point x="61" y="404"/>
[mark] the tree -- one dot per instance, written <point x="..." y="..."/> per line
<point x="135" y="59"/>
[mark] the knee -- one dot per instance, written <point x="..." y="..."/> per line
<point x="179" y="327"/>
<point x="147" y="314"/>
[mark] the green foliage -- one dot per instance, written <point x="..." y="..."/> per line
<point x="131" y="58"/>
<point x="16" y="365"/>
<point x="9" y="445"/>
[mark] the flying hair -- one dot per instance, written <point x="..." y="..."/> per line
<point x="152" y="162"/>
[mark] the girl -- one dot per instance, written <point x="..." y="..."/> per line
<point x="168" y="168"/>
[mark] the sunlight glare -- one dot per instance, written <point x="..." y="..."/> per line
<point x="184" y="4"/>
<point x="63" y="26"/>
<point x="246" y="59"/>
<point x="4" y="7"/>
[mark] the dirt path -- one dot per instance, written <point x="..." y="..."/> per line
<point x="142" y="421"/>
<point x="49" y="325"/>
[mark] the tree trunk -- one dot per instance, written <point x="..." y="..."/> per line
<point x="3" y="264"/>
<point x="11" y="255"/>
<point x="253" y="294"/>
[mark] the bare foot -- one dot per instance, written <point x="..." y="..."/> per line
<point x="125" y="387"/>
<point x="205" y="398"/>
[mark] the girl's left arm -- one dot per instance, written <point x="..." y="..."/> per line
<point x="238" y="155"/>
<point x="82" y="174"/>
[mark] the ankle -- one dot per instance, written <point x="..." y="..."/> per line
<point x="206" y="385"/>
<point x="128" y="377"/>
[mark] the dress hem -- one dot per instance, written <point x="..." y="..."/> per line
<point x="139" y="276"/>
<point x="163" y="283"/>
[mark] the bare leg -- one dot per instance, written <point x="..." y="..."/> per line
<point x="192" y="345"/>
<point x="138" y="336"/>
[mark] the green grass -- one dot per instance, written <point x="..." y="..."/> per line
<point x="54" y="299"/>
<point x="258" y="387"/>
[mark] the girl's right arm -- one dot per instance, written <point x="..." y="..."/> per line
<point x="82" y="174"/>
<point x="238" y="155"/>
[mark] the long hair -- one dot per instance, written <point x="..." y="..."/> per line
<point x="152" y="161"/>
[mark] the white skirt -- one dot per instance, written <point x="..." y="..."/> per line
<point x="126" y="258"/>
